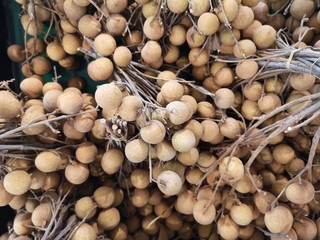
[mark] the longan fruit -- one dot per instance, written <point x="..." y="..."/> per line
<point x="116" y="24"/>
<point x="31" y="26"/>
<point x="116" y="6"/>
<point x="177" y="6"/>
<point x="179" y="112"/>
<point x="31" y="87"/>
<point x="16" y="53"/>
<point x="300" y="9"/>
<point x="224" y="98"/>
<point x="17" y="182"/>
<point x="69" y="102"/>
<point x="208" y="23"/>
<point x="42" y="215"/>
<point x="151" y="51"/>
<point x="86" y="153"/>
<point x="172" y="91"/>
<point x="244" y="18"/>
<point x="48" y="161"/>
<point x="71" y="43"/>
<point x="85" y="208"/>
<point x="55" y="51"/>
<point x="100" y="69"/>
<point x="177" y="35"/>
<point x="104" y="44"/>
<point x="108" y="96"/>
<point x="194" y="38"/>
<point x="229" y="12"/>
<point x="153" y="28"/>
<point x="198" y="7"/>
<point x="247" y="69"/>
<point x="84" y="232"/>
<point x="77" y="173"/>
<point x="198" y="57"/>
<point x="153" y="132"/>
<point x="122" y="56"/>
<point x="245" y="48"/>
<point x="109" y="218"/>
<point x="136" y="150"/>
<point x="264" y="36"/>
<point x="10" y="106"/>
<point x="89" y="26"/>
<point x="72" y="10"/>
<point x="112" y="160"/>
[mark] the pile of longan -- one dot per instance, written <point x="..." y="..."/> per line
<point x="183" y="138"/>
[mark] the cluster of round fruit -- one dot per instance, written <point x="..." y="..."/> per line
<point x="194" y="136"/>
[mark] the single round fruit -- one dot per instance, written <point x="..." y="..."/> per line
<point x="17" y="182"/>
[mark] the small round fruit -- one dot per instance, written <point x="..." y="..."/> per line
<point x="17" y="182"/>
<point x="108" y="96"/>
<point x="10" y="106"/>
<point x="169" y="182"/>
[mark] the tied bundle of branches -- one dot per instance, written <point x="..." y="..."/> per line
<point x="288" y="58"/>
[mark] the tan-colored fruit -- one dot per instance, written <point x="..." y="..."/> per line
<point x="122" y="56"/>
<point x="48" y="161"/>
<point x="104" y="44"/>
<point x="55" y="51"/>
<point x="228" y="11"/>
<point x="300" y="9"/>
<point x="198" y="7"/>
<point x="300" y="192"/>
<point x="136" y="150"/>
<point x="247" y="69"/>
<point x="108" y="96"/>
<point x="84" y="232"/>
<point x="278" y="219"/>
<point x="42" y="215"/>
<point x="245" y="48"/>
<point x="208" y="23"/>
<point x="16" y="53"/>
<point x="264" y="36"/>
<point x="10" y="106"/>
<point x="153" y="28"/>
<point x="100" y="69"/>
<point x="17" y="182"/>
<point x="72" y="10"/>
<point x="244" y="18"/>
<point x="89" y="26"/>
<point x="71" y="43"/>
<point x="231" y="169"/>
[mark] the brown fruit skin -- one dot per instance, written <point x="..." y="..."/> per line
<point x="116" y="24"/>
<point x="153" y="29"/>
<point x="100" y="69"/>
<point x="264" y="36"/>
<point x="72" y="10"/>
<point x="69" y="102"/>
<point x="55" y="51"/>
<point x="248" y="49"/>
<point x="15" y="53"/>
<point x="89" y="26"/>
<point x="5" y="197"/>
<point x="84" y="232"/>
<point x="151" y="51"/>
<point x="41" y="65"/>
<point x="230" y="8"/>
<point x="279" y="219"/>
<point x="17" y="182"/>
<point x="10" y="106"/>
<point x="109" y="218"/>
<point x="77" y="173"/>
<point x="244" y="18"/>
<point x="301" y="8"/>
<point x="300" y="192"/>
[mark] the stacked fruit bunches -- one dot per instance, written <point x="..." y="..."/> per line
<point x="202" y="125"/>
